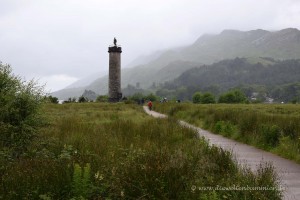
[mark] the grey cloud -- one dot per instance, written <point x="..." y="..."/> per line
<point x="70" y="38"/>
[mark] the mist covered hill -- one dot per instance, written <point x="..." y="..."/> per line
<point x="267" y="78"/>
<point x="208" y="49"/>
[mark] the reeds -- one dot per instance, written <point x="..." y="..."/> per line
<point x="272" y="127"/>
<point x="115" y="151"/>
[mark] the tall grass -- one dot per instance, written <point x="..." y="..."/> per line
<point x="274" y="128"/>
<point x="115" y="151"/>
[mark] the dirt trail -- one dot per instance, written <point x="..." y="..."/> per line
<point x="288" y="171"/>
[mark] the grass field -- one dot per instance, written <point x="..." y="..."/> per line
<point x="116" y="151"/>
<point x="272" y="127"/>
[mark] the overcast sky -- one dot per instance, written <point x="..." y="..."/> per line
<point x="61" y="41"/>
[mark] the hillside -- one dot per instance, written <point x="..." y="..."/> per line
<point x="208" y="49"/>
<point x="238" y="72"/>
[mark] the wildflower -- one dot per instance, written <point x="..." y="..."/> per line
<point x="122" y="194"/>
<point x="97" y="175"/>
<point x="193" y="188"/>
<point x="101" y="177"/>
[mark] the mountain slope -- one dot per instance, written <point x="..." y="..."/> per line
<point x="238" y="72"/>
<point x="231" y="73"/>
<point x="284" y="44"/>
<point x="207" y="49"/>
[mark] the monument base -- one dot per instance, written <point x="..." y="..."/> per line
<point x="115" y="99"/>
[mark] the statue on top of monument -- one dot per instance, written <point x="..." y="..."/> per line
<point x="115" y="41"/>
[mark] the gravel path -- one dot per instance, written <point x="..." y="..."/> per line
<point x="288" y="171"/>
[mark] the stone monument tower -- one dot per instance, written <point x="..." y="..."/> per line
<point x="114" y="82"/>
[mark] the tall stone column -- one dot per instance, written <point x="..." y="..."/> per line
<point x="114" y="82"/>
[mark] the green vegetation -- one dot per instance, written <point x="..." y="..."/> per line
<point x="272" y="127"/>
<point x="206" y="98"/>
<point x="115" y="151"/>
<point x="197" y="97"/>
<point x="102" y="98"/>
<point x="279" y="80"/>
<point x="233" y="96"/>
<point x="19" y="117"/>
<point x="110" y="151"/>
<point x="82" y="99"/>
<point x="52" y="99"/>
<point x="206" y="50"/>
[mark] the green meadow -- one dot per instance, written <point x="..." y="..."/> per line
<point x="116" y="151"/>
<point x="272" y="127"/>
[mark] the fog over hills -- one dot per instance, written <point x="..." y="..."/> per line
<point x="207" y="49"/>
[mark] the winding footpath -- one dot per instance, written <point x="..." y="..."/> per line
<point x="288" y="171"/>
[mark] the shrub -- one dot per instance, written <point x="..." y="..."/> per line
<point x="82" y="99"/>
<point x="208" y="98"/>
<point x="197" y="97"/>
<point x="136" y="97"/>
<point x="73" y="99"/>
<point x="102" y="98"/>
<point x="270" y="135"/>
<point x="53" y="99"/>
<point x="19" y="117"/>
<point x="151" y="97"/>
<point x="234" y="96"/>
<point x="29" y="178"/>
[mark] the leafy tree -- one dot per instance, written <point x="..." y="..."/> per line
<point x="151" y="97"/>
<point x="102" y="98"/>
<point x="287" y="92"/>
<point x="269" y="78"/>
<point x="53" y="99"/>
<point x="197" y="97"/>
<point x="208" y="98"/>
<point x="19" y="117"/>
<point x="82" y="99"/>
<point x="234" y="96"/>
<point x="137" y="97"/>
<point x="71" y="99"/>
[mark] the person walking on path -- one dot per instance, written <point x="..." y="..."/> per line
<point x="150" y="105"/>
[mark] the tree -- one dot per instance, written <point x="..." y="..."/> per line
<point x="233" y="96"/>
<point x="151" y="97"/>
<point x="19" y="117"/>
<point x="137" y="97"/>
<point x="208" y="98"/>
<point x="53" y="99"/>
<point x="82" y="99"/>
<point x="102" y="98"/>
<point x="71" y="99"/>
<point x="197" y="97"/>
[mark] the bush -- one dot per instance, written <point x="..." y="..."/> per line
<point x="102" y="98"/>
<point x="270" y="135"/>
<point x="234" y="96"/>
<point x="197" y="97"/>
<point x="19" y="117"/>
<point x="73" y="100"/>
<point x="137" y="97"/>
<point x="82" y="99"/>
<point x="208" y="98"/>
<point x="30" y="178"/>
<point x="151" y="97"/>
<point x="53" y="99"/>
